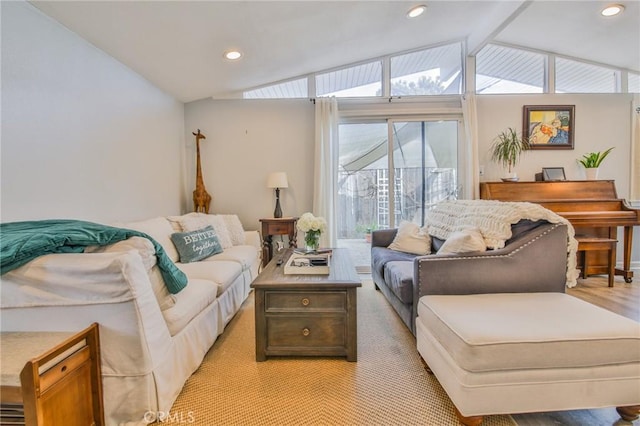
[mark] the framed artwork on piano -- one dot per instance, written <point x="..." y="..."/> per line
<point x="548" y="126"/>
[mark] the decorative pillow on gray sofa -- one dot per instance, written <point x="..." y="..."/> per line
<point x="196" y="245"/>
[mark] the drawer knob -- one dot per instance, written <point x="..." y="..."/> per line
<point x="305" y="301"/>
<point x="306" y="332"/>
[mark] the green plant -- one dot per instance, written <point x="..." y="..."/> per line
<point x="594" y="159"/>
<point x="507" y="148"/>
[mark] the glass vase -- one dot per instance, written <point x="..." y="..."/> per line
<point x="312" y="240"/>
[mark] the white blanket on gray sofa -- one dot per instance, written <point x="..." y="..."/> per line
<point x="494" y="220"/>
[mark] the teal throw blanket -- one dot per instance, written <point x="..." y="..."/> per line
<point x="21" y="242"/>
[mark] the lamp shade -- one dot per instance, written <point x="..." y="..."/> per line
<point x="277" y="180"/>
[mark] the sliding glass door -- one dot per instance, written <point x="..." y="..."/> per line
<point x="382" y="183"/>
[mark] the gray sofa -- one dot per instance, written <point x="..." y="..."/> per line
<point x="534" y="259"/>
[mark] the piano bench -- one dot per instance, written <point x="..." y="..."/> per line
<point x="589" y="243"/>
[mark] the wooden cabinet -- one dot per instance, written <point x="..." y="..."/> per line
<point x="277" y="226"/>
<point x="307" y="315"/>
<point x="51" y="378"/>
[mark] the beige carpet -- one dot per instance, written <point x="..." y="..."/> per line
<point x="387" y="386"/>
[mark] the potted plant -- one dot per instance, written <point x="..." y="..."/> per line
<point x="506" y="150"/>
<point x="592" y="161"/>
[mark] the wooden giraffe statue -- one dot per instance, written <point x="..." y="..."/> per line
<point x="201" y="199"/>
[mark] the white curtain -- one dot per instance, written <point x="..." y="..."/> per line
<point x="325" y="168"/>
<point x="635" y="151"/>
<point x="470" y="117"/>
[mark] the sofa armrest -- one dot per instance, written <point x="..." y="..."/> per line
<point x="383" y="237"/>
<point x="535" y="263"/>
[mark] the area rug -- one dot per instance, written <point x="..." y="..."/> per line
<point x="388" y="385"/>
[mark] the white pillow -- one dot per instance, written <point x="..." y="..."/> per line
<point x="463" y="241"/>
<point x="234" y="226"/>
<point x="158" y="228"/>
<point x="147" y="252"/>
<point x="410" y="238"/>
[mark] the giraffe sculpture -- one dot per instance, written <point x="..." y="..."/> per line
<point x="201" y="199"/>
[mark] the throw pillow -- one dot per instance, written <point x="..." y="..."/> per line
<point x="234" y="226"/>
<point x="196" y="245"/>
<point x="410" y="238"/>
<point x="464" y="241"/>
<point x="196" y="221"/>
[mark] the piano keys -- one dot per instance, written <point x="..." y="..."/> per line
<point x="591" y="206"/>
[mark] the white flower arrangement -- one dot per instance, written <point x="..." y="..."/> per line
<point x="308" y="222"/>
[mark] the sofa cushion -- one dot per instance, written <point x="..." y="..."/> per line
<point x="196" y="296"/>
<point x="223" y="272"/>
<point x="244" y="255"/>
<point x="196" y="245"/>
<point x="381" y="255"/>
<point x="160" y="230"/>
<point x="399" y="278"/>
<point x="410" y="238"/>
<point x="147" y="252"/>
<point x="463" y="241"/>
<point x="513" y="331"/>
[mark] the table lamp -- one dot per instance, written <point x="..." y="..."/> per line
<point x="277" y="180"/>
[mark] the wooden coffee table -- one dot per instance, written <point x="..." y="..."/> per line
<point x="307" y="315"/>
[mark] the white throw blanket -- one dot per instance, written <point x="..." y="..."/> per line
<point x="494" y="220"/>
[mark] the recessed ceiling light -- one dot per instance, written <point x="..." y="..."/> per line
<point x="416" y="11"/>
<point x="232" y="55"/>
<point x="612" y="10"/>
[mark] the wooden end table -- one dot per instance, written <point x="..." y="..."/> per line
<point x="277" y="226"/>
<point x="307" y="315"/>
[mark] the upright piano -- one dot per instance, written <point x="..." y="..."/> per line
<point x="591" y="206"/>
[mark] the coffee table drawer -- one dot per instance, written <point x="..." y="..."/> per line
<point x="305" y="301"/>
<point x="306" y="331"/>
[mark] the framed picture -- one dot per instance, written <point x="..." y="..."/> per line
<point x="548" y="126"/>
<point x="553" y="173"/>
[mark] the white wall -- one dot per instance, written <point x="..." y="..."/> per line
<point x="82" y="135"/>
<point x="601" y="121"/>
<point x="246" y="140"/>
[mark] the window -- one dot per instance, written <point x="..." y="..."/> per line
<point x="289" y="89"/>
<point x="501" y="69"/>
<point x="381" y="183"/>
<point x="633" y="82"/>
<point x="579" y="77"/>
<point x="357" y="81"/>
<point x="428" y="72"/>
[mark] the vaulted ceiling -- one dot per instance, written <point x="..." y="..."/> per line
<point x="178" y="45"/>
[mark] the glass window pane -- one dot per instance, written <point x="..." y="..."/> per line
<point x="362" y="163"/>
<point x="633" y="82"/>
<point x="578" y="77"/>
<point x="502" y="69"/>
<point x="425" y="159"/>
<point x="360" y="80"/>
<point x="428" y="72"/>
<point x="288" y="89"/>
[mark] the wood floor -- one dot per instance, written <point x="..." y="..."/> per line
<point x="623" y="299"/>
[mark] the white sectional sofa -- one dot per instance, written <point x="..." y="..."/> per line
<point x="151" y="340"/>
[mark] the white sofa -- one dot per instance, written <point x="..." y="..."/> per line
<point x="151" y="340"/>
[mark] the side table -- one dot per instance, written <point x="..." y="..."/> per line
<point x="277" y="226"/>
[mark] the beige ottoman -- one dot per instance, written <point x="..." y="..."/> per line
<point x="529" y="352"/>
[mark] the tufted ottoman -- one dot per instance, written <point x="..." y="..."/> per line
<point x="529" y="352"/>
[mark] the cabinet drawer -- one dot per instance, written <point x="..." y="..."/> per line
<point x="305" y="301"/>
<point x="279" y="228"/>
<point x="306" y="331"/>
